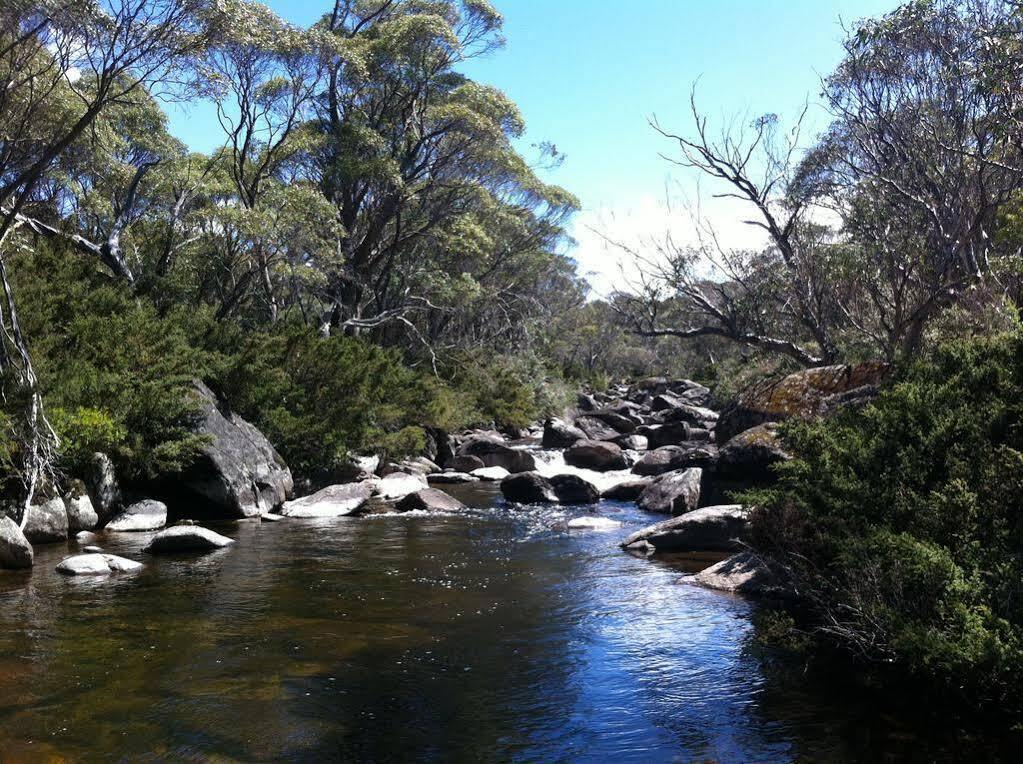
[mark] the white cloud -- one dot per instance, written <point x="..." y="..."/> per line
<point x="640" y="224"/>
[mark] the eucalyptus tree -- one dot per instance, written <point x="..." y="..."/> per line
<point x="415" y="153"/>
<point x="62" y="64"/>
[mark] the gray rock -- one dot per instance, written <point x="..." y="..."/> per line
<point x="572" y="489"/>
<point x="103" y="488"/>
<point x="81" y="516"/>
<point x="709" y="529"/>
<point x="451" y="478"/>
<point x="596" y="455"/>
<point x="671" y="458"/>
<point x="560" y="434"/>
<point x="92" y="549"/>
<point x="237" y="475"/>
<point x="744" y="573"/>
<point x="399" y="485"/>
<point x="332" y="501"/>
<point x="490" y="474"/>
<point x="495" y="453"/>
<point x="430" y="500"/>
<point x="94" y="564"/>
<point x="528" y="488"/>
<point x="465" y="463"/>
<point x="186" y="538"/>
<point x="148" y="515"/>
<point x="15" y="550"/>
<point x="629" y="490"/>
<point x="270" y="517"/>
<point x="674" y="493"/>
<point x="631" y="442"/>
<point x="668" y="434"/>
<point x="596" y="429"/>
<point x="47" y="523"/>
<point x="619" y="422"/>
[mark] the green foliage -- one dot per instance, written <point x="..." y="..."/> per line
<point x="901" y="523"/>
<point x="114" y="372"/>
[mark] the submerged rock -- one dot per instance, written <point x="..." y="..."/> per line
<point x="674" y="493"/>
<point x="431" y="500"/>
<point x="15" y="550"/>
<point x="47" y="523"/>
<point x="709" y="529"/>
<point x="186" y="538"/>
<point x="332" y="501"/>
<point x="148" y="515"/>
<point x="593" y="523"/>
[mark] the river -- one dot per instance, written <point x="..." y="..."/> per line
<point x="491" y="635"/>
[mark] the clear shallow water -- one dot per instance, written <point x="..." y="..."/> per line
<point x="491" y="636"/>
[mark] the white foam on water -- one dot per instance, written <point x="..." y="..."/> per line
<point x="552" y="462"/>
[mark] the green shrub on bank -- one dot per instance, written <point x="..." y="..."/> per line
<point x="902" y="524"/>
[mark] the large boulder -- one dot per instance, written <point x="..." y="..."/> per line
<point x="81" y="515"/>
<point x="572" y="489"/>
<point x="47" y="523"/>
<point x="558" y="433"/>
<point x="668" y="434"/>
<point x="709" y="529"/>
<point x="238" y="474"/>
<point x="805" y="394"/>
<point x="431" y="500"/>
<point x="332" y="501"/>
<point x="596" y="455"/>
<point x="15" y="550"/>
<point x="103" y="487"/>
<point x="661" y="460"/>
<point x="596" y="429"/>
<point x="528" y="488"/>
<point x="746" y="461"/>
<point x="495" y="453"/>
<point x="631" y="442"/>
<point x="743" y="573"/>
<point x="674" y="493"/>
<point x="148" y="515"/>
<point x="186" y="538"/>
<point x="621" y="423"/>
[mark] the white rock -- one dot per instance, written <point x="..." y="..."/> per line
<point x="592" y="523"/>
<point x="490" y="473"/>
<point x="333" y="501"/>
<point x="186" y="538"/>
<point x="397" y="485"/>
<point x="148" y="515"/>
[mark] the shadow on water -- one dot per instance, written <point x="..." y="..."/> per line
<point x="493" y="635"/>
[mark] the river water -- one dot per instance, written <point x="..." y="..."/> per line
<point x="492" y="635"/>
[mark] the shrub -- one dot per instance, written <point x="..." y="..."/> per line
<point x="902" y="523"/>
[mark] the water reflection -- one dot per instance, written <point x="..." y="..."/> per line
<point x="495" y="635"/>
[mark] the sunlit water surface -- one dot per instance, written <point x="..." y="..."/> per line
<point x="493" y="635"/>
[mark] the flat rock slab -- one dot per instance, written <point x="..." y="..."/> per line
<point x="490" y="474"/>
<point x="332" y="501"/>
<point x="97" y="564"/>
<point x="146" y="515"/>
<point x="744" y="573"/>
<point x="186" y="538"/>
<point x="451" y="478"/>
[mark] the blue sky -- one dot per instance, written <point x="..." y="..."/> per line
<point x="588" y="74"/>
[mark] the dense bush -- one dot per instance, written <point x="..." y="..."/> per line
<point x="902" y="524"/>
